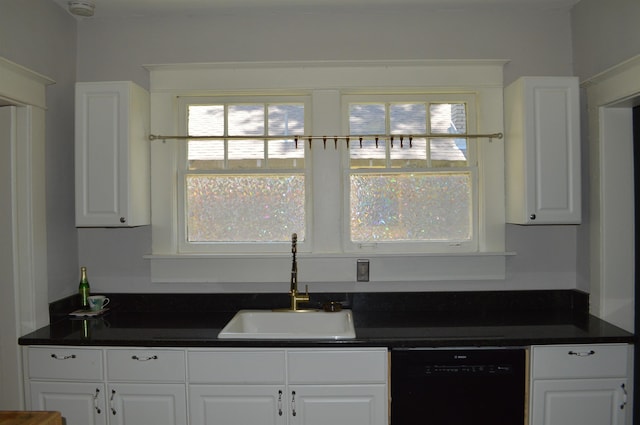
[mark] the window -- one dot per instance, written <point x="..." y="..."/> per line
<point x="224" y="208"/>
<point x="408" y="193"/>
<point x="247" y="185"/>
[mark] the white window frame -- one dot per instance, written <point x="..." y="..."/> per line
<point x="185" y="247"/>
<point x="324" y="261"/>
<point x="415" y="246"/>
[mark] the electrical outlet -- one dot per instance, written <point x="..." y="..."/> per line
<point x="362" y="270"/>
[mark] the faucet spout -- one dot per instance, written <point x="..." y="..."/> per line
<point x="294" y="263"/>
<point x="296" y="297"/>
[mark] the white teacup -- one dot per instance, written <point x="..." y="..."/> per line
<point x="97" y="302"/>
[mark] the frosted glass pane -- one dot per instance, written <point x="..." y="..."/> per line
<point x="240" y="208"/>
<point x="411" y="207"/>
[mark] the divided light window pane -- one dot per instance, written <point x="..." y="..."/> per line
<point x="410" y="189"/>
<point x="241" y="189"/>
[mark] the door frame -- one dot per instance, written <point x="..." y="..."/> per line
<point x="611" y="96"/>
<point x="27" y="286"/>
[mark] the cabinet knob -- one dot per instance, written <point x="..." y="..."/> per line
<point x="532" y="216"/>
<point x="123" y="220"/>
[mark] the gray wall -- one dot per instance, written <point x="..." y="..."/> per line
<point x="41" y="36"/>
<point x="604" y="34"/>
<point x="537" y="41"/>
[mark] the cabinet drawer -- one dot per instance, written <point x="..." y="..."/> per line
<point x="337" y="366"/>
<point x="146" y="365"/>
<point x="579" y="361"/>
<point x="65" y="363"/>
<point x="235" y="367"/>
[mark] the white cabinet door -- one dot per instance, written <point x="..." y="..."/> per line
<point x="338" y="405"/>
<point x="112" y="155"/>
<point x="79" y="403"/>
<point x="140" y="404"/>
<point x="237" y="404"/>
<point x="579" y="402"/>
<point x="542" y="151"/>
<point x="581" y="384"/>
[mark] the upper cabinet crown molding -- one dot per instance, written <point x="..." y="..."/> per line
<point x="112" y="155"/>
<point x="542" y="151"/>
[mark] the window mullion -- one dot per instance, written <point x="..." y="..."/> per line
<point x="387" y="129"/>
<point x="427" y="117"/>
<point x="266" y="133"/>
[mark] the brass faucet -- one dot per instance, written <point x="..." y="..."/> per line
<point x="296" y="297"/>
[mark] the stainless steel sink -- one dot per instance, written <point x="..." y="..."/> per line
<point x="272" y="324"/>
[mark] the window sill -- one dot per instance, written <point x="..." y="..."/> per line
<point x="326" y="268"/>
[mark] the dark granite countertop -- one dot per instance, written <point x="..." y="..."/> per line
<point x="517" y="318"/>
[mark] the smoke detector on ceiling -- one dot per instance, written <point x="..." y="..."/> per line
<point x="82" y="7"/>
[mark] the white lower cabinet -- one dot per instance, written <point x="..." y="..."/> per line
<point x="581" y="385"/>
<point x="125" y="386"/>
<point x="288" y="386"/>
<point x="80" y="402"/>
<point x="147" y="404"/>
<point x="237" y="404"/>
<point x="135" y="386"/>
<point x="337" y="404"/>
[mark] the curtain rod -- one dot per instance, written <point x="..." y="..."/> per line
<point x="359" y="137"/>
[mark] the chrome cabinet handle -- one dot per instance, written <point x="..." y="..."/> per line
<point x="279" y="402"/>
<point x="624" y="396"/>
<point x="581" y="353"/>
<point x="144" y="358"/>
<point x="111" y="406"/>
<point x="293" y="403"/>
<point x="95" y="401"/>
<point x="57" y="357"/>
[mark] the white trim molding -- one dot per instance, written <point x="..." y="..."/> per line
<point x="27" y="235"/>
<point x="20" y="85"/>
<point x="610" y="98"/>
<point x="325" y="258"/>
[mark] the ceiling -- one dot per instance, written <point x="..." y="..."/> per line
<point x="131" y="8"/>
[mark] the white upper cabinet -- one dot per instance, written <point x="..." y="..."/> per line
<point x="112" y="155"/>
<point x="542" y="151"/>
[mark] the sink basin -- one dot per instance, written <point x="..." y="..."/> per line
<point x="269" y="324"/>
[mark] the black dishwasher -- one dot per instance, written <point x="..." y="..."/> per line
<point x="458" y="386"/>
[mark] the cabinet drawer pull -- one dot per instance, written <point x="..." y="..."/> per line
<point x="144" y="358"/>
<point x="57" y="357"/>
<point x="581" y="353"/>
<point x="279" y="402"/>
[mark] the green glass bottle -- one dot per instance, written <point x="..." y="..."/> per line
<point x="84" y="288"/>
